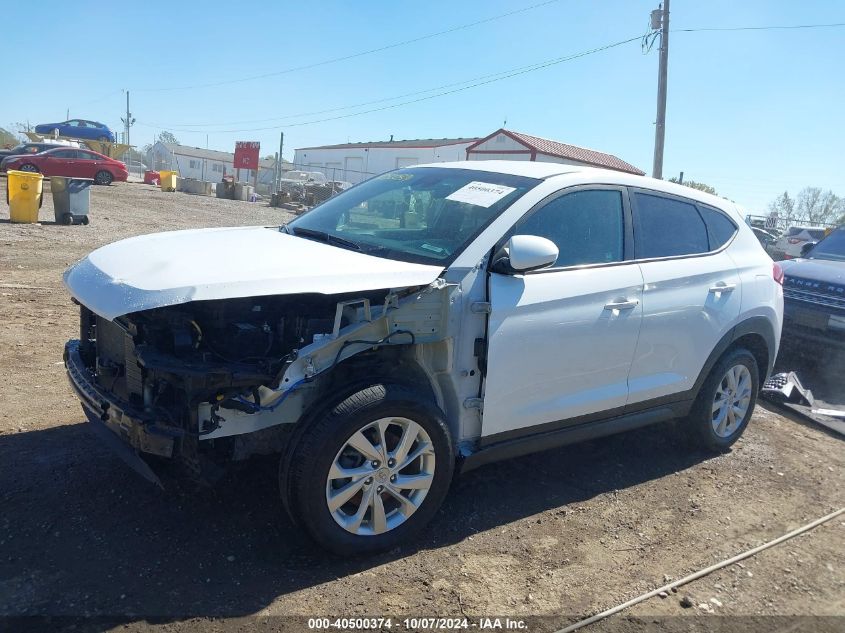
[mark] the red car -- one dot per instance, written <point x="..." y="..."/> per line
<point x="72" y="162"/>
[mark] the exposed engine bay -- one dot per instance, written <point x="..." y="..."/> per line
<point x="220" y="370"/>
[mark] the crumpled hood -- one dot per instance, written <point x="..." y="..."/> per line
<point x="162" y="269"/>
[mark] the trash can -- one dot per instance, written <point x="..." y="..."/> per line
<point x="167" y="180"/>
<point x="71" y="199"/>
<point x="24" y="195"/>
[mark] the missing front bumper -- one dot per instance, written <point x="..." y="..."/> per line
<point x="125" y="430"/>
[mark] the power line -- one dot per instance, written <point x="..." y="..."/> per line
<point x="182" y="126"/>
<point x="473" y="83"/>
<point x="509" y="74"/>
<point x="354" y="55"/>
<point x="762" y="28"/>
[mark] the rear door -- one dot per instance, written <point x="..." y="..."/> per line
<point x="691" y="294"/>
<point x="561" y="340"/>
<point x="87" y="164"/>
<point x="60" y="163"/>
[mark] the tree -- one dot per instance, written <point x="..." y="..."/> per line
<point x="812" y="205"/>
<point x="696" y="185"/>
<point x="815" y="206"/>
<point x="782" y="207"/>
<point x="167" y="137"/>
<point x="7" y="138"/>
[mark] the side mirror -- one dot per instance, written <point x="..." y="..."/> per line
<point x="807" y="248"/>
<point x="525" y="252"/>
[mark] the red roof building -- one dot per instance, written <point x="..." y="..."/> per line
<point x="509" y="145"/>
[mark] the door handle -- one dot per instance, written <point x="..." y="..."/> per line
<point x="722" y="287"/>
<point x="624" y="304"/>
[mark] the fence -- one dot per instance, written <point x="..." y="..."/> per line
<point x="313" y="184"/>
<point x="780" y="225"/>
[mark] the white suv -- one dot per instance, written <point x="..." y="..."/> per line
<point x="790" y="244"/>
<point x="431" y="319"/>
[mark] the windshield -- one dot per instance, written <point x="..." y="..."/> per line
<point x="423" y="214"/>
<point x="832" y="247"/>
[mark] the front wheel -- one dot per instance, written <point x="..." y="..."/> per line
<point x="30" y="168"/>
<point x="371" y="472"/>
<point x="726" y="400"/>
<point x="103" y="177"/>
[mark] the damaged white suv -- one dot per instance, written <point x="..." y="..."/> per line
<point x="429" y="320"/>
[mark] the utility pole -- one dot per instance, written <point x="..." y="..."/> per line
<point x="662" y="15"/>
<point x="281" y="160"/>
<point x="128" y="121"/>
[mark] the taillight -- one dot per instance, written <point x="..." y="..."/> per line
<point x="795" y="240"/>
<point x="777" y="273"/>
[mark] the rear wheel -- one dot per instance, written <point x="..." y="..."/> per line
<point x="726" y="400"/>
<point x="103" y="177"/>
<point x="29" y="167"/>
<point x="67" y="219"/>
<point x="371" y="472"/>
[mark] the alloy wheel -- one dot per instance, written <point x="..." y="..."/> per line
<point x="732" y="400"/>
<point x="380" y="476"/>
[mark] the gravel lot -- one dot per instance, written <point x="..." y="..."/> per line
<point x="561" y="534"/>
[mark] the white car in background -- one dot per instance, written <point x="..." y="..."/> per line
<point x="499" y="309"/>
<point x="789" y="245"/>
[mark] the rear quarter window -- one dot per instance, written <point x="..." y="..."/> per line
<point x="720" y="229"/>
<point x="667" y="227"/>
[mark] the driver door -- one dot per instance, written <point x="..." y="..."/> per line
<point x="561" y="340"/>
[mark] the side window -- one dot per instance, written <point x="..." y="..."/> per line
<point x="587" y="227"/>
<point x="664" y="227"/>
<point x="65" y="153"/>
<point x="87" y="155"/>
<point x="719" y="228"/>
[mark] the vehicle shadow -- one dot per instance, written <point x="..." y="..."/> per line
<point x="81" y="535"/>
<point x="819" y="369"/>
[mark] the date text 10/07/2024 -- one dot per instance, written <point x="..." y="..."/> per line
<point x="417" y="624"/>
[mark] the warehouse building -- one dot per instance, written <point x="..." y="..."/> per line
<point x="509" y="145"/>
<point x="207" y="164"/>
<point x="354" y="162"/>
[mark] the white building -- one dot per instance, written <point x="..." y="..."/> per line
<point x="207" y="164"/>
<point x="509" y="145"/>
<point x="354" y="162"/>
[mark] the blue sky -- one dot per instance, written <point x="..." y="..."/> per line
<point x="752" y="113"/>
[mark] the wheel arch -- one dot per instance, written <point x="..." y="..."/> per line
<point x="757" y="334"/>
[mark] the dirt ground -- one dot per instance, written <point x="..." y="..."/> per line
<point x="562" y="534"/>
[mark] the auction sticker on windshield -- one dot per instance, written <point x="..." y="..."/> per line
<point x="481" y="194"/>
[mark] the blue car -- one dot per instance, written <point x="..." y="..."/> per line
<point x="78" y="128"/>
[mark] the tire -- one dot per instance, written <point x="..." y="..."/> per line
<point x="103" y="177"/>
<point x="67" y="219"/>
<point x="325" y="446"/>
<point x="716" y="429"/>
<point x="85" y="220"/>
<point x="30" y="168"/>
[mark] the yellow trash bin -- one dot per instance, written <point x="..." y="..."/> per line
<point x="167" y="180"/>
<point x="23" y="193"/>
